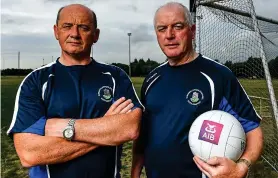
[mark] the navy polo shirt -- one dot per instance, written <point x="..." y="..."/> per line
<point x="174" y="96"/>
<point x="80" y="91"/>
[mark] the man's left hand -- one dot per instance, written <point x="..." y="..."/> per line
<point x="221" y="167"/>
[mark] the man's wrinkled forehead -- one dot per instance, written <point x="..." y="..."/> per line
<point x="76" y="17"/>
<point x="77" y="14"/>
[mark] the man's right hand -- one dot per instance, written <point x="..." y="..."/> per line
<point x="118" y="125"/>
<point x="121" y="106"/>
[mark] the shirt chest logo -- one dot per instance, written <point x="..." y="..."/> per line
<point x="194" y="97"/>
<point x="105" y="93"/>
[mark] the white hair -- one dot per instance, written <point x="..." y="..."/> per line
<point x="187" y="14"/>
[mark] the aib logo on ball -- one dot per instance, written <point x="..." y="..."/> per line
<point x="210" y="132"/>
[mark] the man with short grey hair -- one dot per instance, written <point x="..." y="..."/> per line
<point x="176" y="93"/>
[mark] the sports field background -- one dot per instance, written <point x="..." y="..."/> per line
<point x="11" y="168"/>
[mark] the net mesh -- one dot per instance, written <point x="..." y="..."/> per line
<point x="226" y="32"/>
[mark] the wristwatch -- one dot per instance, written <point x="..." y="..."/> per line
<point x="68" y="132"/>
<point x="245" y="161"/>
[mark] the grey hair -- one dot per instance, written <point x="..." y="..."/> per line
<point x="187" y="14"/>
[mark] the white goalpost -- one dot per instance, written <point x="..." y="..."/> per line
<point x="230" y="32"/>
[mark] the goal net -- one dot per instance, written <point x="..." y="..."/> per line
<point x="230" y="32"/>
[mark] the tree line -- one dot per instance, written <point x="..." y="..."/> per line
<point x="139" y="68"/>
<point x="15" y="72"/>
<point x="252" y="68"/>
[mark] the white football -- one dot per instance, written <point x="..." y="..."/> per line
<point x="217" y="133"/>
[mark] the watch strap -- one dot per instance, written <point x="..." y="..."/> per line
<point x="245" y="161"/>
<point x="71" y="122"/>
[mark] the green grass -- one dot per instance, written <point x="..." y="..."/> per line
<point x="137" y="83"/>
<point x="10" y="164"/>
<point x="11" y="167"/>
<point x="9" y="86"/>
<point x="259" y="87"/>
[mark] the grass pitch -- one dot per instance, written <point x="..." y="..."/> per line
<point x="11" y="167"/>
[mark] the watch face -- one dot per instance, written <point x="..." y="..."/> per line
<point x="68" y="133"/>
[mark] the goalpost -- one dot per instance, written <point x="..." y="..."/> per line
<point x="230" y="32"/>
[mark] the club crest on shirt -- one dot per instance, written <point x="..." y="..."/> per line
<point x="194" y="97"/>
<point x="105" y="93"/>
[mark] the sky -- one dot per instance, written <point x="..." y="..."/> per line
<point x="27" y="26"/>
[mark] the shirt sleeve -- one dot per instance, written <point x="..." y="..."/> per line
<point x="142" y="139"/>
<point x="29" y="111"/>
<point x="143" y="89"/>
<point x="236" y="102"/>
<point x="125" y="88"/>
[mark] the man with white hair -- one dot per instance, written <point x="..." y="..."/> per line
<point x="176" y="93"/>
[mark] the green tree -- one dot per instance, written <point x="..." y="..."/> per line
<point x="122" y="66"/>
<point x="273" y="67"/>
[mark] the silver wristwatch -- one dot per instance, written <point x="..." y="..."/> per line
<point x="68" y="132"/>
